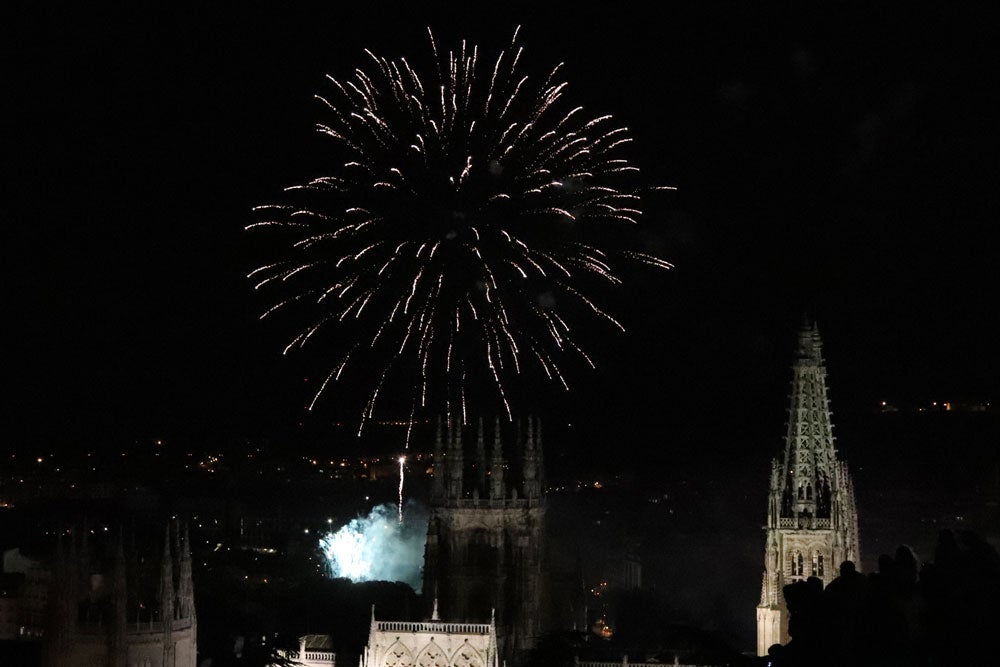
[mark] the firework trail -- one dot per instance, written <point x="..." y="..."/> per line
<point x="466" y="218"/>
<point x="402" y="476"/>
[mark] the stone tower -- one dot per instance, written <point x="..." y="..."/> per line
<point x="812" y="523"/>
<point x="484" y="549"/>
<point x="106" y="611"/>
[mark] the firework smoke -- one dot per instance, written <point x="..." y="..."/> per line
<point x="379" y="547"/>
<point x="467" y="217"/>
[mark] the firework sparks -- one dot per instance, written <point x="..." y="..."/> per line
<point x="466" y="218"/>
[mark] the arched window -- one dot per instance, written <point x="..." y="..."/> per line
<point x="819" y="565"/>
<point x="797" y="570"/>
<point x="809" y="491"/>
<point x="802" y="492"/>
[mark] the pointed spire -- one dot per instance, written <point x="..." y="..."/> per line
<point x="185" y="583"/>
<point x="532" y="485"/>
<point x="166" y="580"/>
<point x="810" y="345"/>
<point x="186" y="551"/>
<point x="434" y="614"/>
<point x="497" y="488"/>
<point x="167" y="596"/>
<point x="810" y="458"/>
<point x="456" y="464"/>
<point x="438" y="474"/>
<point x="497" y="441"/>
<point x="176" y="532"/>
<point x="810" y="492"/>
<point x="482" y="465"/>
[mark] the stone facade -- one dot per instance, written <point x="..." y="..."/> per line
<point x="485" y="538"/>
<point x="812" y="523"/>
<point x="430" y="644"/>
<point x="314" y="651"/>
<point x="121" y="618"/>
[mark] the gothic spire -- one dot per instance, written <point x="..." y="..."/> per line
<point x="811" y="518"/>
<point x="532" y="485"/>
<point x="497" y="489"/>
<point x="166" y="580"/>
<point x="810" y="460"/>
<point x="456" y="462"/>
<point x="185" y="583"/>
<point x="167" y="594"/>
<point x="437" y="480"/>
<point x="481" y="463"/>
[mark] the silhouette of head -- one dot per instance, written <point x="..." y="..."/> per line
<point x="885" y="563"/>
<point x="847" y="568"/>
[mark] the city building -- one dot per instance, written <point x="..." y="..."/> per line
<point x="812" y="522"/>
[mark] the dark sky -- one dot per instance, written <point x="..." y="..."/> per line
<point x="830" y="157"/>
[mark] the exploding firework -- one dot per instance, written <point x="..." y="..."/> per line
<point x="466" y="220"/>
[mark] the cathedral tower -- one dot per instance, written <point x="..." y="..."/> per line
<point x="484" y="549"/>
<point x="812" y="523"/>
<point x="107" y="611"/>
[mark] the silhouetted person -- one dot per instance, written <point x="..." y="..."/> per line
<point x="962" y="592"/>
<point x="843" y="601"/>
<point x="805" y="625"/>
<point x="949" y="616"/>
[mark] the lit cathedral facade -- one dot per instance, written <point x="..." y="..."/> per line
<point x="812" y="523"/>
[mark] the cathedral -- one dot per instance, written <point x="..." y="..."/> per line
<point x="484" y="553"/>
<point x="812" y="523"/>
<point x="120" y="610"/>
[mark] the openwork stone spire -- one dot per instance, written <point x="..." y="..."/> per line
<point x="812" y="522"/>
<point x="810" y="457"/>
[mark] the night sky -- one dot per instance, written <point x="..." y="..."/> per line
<point x="835" y="159"/>
<point x="831" y="158"/>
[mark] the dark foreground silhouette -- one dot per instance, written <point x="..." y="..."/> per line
<point x="942" y="613"/>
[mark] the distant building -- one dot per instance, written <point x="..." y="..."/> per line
<point x="812" y="522"/>
<point x="24" y="591"/>
<point x="430" y="644"/>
